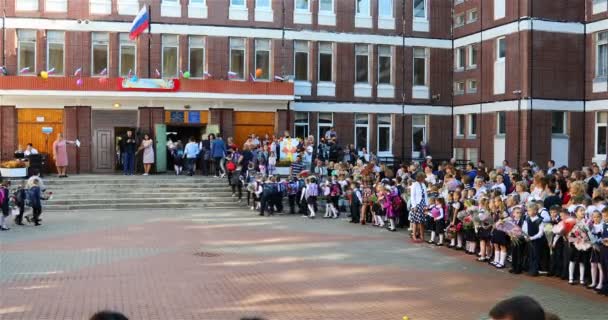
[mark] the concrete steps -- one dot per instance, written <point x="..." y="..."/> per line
<point x="113" y="192"/>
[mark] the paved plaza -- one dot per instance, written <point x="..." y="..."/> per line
<point x="226" y="264"/>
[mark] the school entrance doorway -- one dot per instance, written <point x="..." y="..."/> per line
<point x="246" y="123"/>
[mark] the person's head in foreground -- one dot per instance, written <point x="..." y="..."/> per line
<point x="108" y="315"/>
<point x="520" y="308"/>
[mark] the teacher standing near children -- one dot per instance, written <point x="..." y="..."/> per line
<point x="60" y="155"/>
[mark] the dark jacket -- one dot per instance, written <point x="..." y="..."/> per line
<point x="128" y="145"/>
<point x="35" y="196"/>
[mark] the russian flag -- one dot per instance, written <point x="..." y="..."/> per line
<point x="140" y="23"/>
<point x="232" y="75"/>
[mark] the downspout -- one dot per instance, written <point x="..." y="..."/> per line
<point x="531" y="83"/>
<point x="481" y="64"/>
<point x="585" y="82"/>
<point x="4" y="35"/>
<point x="452" y="81"/>
<point x="403" y="80"/>
<point x="520" y="86"/>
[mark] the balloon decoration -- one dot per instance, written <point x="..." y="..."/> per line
<point x="44" y="75"/>
<point x="103" y="80"/>
<point x="259" y="72"/>
<point x="187" y="75"/>
<point x="79" y="82"/>
<point x="134" y="79"/>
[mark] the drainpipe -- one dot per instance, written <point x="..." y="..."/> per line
<point x="403" y="79"/>
<point x="4" y="35"/>
<point x="519" y="92"/>
<point x="585" y="82"/>
<point x="452" y="86"/>
<point x="481" y="64"/>
<point x="531" y="83"/>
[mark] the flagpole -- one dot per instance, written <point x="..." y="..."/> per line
<point x="149" y="39"/>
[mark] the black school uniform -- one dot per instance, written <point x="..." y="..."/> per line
<point x="557" y="256"/>
<point x="535" y="246"/>
<point x="518" y="253"/>
<point x="596" y="231"/>
<point x="604" y="258"/>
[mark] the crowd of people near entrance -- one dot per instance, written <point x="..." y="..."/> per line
<point x="540" y="221"/>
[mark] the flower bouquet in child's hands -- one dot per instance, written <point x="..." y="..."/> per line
<point x="511" y="228"/>
<point x="564" y="227"/>
<point x="467" y="223"/>
<point x="453" y="230"/>
<point x="47" y="195"/>
<point x="579" y="236"/>
<point x="461" y="215"/>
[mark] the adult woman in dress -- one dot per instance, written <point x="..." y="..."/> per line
<point x="147" y="145"/>
<point x="60" y="155"/>
<point x="419" y="203"/>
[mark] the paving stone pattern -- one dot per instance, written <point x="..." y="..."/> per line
<point x="222" y="264"/>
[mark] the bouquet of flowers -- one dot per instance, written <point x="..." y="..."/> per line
<point x="579" y="236"/>
<point x="564" y="227"/>
<point x="467" y="223"/>
<point x="483" y="219"/>
<point x="511" y="228"/>
<point x="549" y="233"/>
<point x="461" y="215"/>
<point x="453" y="230"/>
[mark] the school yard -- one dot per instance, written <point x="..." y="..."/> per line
<point x="226" y="264"/>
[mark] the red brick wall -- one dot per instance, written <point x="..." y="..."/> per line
<point x="8" y="132"/>
<point x="439" y="127"/>
<point x="148" y="117"/>
<point x="77" y="125"/>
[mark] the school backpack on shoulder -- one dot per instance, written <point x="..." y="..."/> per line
<point x="2" y="196"/>
<point x="397" y="202"/>
<point x="335" y="190"/>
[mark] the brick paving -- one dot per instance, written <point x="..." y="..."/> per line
<point x="225" y="264"/>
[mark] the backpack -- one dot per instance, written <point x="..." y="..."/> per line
<point x="281" y="189"/>
<point x="20" y="196"/>
<point x="396" y="202"/>
<point x="335" y="190"/>
<point x="2" y="196"/>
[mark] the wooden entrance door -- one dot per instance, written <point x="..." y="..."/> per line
<point x="30" y="124"/>
<point x="246" y="123"/>
<point x="103" y="150"/>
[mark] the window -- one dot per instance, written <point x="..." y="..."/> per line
<point x="237" y="57"/>
<point x="262" y="58"/>
<point x="385" y="8"/>
<point x="418" y="134"/>
<point x="26" y="47"/>
<point x="601" y="123"/>
<point x="558" y="122"/>
<point x="501" y="125"/>
<point x="499" y="9"/>
<point x="459" y="20"/>
<point x="472" y="56"/>
<point x="361" y="131"/>
<point x="238" y="3"/>
<point x="325" y="62"/>
<point x="361" y="63"/>
<point x="601" y="65"/>
<point x="170" y="55"/>
<point x="262" y="4"/>
<point x="55" y="5"/>
<point x="196" y="56"/>
<point x="384" y="133"/>
<point x="420" y="67"/>
<point x="501" y="49"/>
<point x="460" y="125"/>
<point x="459" y="153"/>
<point x="472" y="125"/>
<point x="420" y="9"/>
<point x="459" y="59"/>
<point x="301" y="60"/>
<point x="26" y="5"/>
<point x="100" y="50"/>
<point x="326" y="6"/>
<point x="471" y="86"/>
<point x="472" y="155"/>
<point x="471" y="16"/>
<point x="384" y="65"/>
<point x="100" y="7"/>
<point x="363" y="8"/>
<point x="458" y="2"/>
<point x="301" y="125"/>
<point x="458" y="88"/>
<point x="128" y="55"/>
<point x="55" y="42"/>
<point x="326" y="122"/>
<point x="302" y="5"/>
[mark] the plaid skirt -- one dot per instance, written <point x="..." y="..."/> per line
<point x="417" y="215"/>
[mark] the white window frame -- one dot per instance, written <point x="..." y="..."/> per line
<point x="598" y="43"/>
<point x="100" y="7"/>
<point x="198" y="10"/>
<point x="367" y="55"/>
<point x="390" y="56"/>
<point x="295" y="51"/>
<point x="459" y="20"/>
<point x="238" y="11"/>
<point x="459" y="88"/>
<point x="325" y="17"/>
<point x="420" y="91"/>
<point x="48" y="42"/>
<point x="363" y="19"/>
<point x="597" y="126"/>
<point x="366" y="126"/>
<point x="26" y="5"/>
<point x="390" y="135"/>
<point x="386" y="21"/>
<point x="263" y="13"/>
<point x="426" y="11"/>
<point x="564" y="124"/>
<point x="470" y="122"/>
<point x="498" y="41"/>
<point x="197" y="46"/>
<point x="333" y="63"/>
<point x="171" y="8"/>
<point x="94" y="73"/>
<point x="244" y="57"/>
<point x="421" y="24"/>
<point x="599" y="6"/>
<point x="458" y="57"/>
<point x="33" y="68"/>
<point x="162" y="55"/>
<point x="270" y="60"/>
<point x="128" y="7"/>
<point x="501" y="131"/>
<point x="319" y="133"/>
<point x="296" y="124"/>
<point x="470" y="63"/>
<point x="460" y="125"/>
<point x="469" y="18"/>
<point x="302" y="16"/>
<point x="416" y="154"/>
<point x="469" y="88"/>
<point x="120" y="48"/>
<point x="54" y="5"/>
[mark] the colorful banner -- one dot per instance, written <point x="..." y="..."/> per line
<point x="151" y="85"/>
<point x="194" y="117"/>
<point x="289" y="148"/>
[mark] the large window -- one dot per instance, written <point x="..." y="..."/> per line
<point x="420" y="9"/>
<point x="472" y="125"/>
<point x="55" y="51"/>
<point x="384" y="65"/>
<point x="418" y="133"/>
<point x="196" y="56"/>
<point x="558" y="122"/>
<point x="459" y="20"/>
<point x="26" y="50"/>
<point x="262" y="4"/>
<point x="460" y="122"/>
<point x="361" y="131"/>
<point x="601" y="63"/>
<point x="326" y="6"/>
<point x="238" y="3"/>
<point x="384" y="133"/>
<point x="471" y="86"/>
<point x="601" y="123"/>
<point x="237" y="57"/>
<point x="170" y="54"/>
<point x="420" y="67"/>
<point x="385" y="8"/>
<point x="326" y="121"/>
<point x="99" y="51"/>
<point x="472" y="16"/>
<point x="363" y="7"/>
<point x="501" y="49"/>
<point x="458" y="88"/>
<point x="262" y="58"/>
<point x="301" y="125"/>
<point x="472" y="56"/>
<point x="459" y="59"/>
<point x="127" y="55"/>
<point x="501" y="125"/>
<point x="26" y="5"/>
<point x="362" y="63"/>
<point x="302" y="5"/>
<point x="300" y="63"/>
<point x="325" y="62"/>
